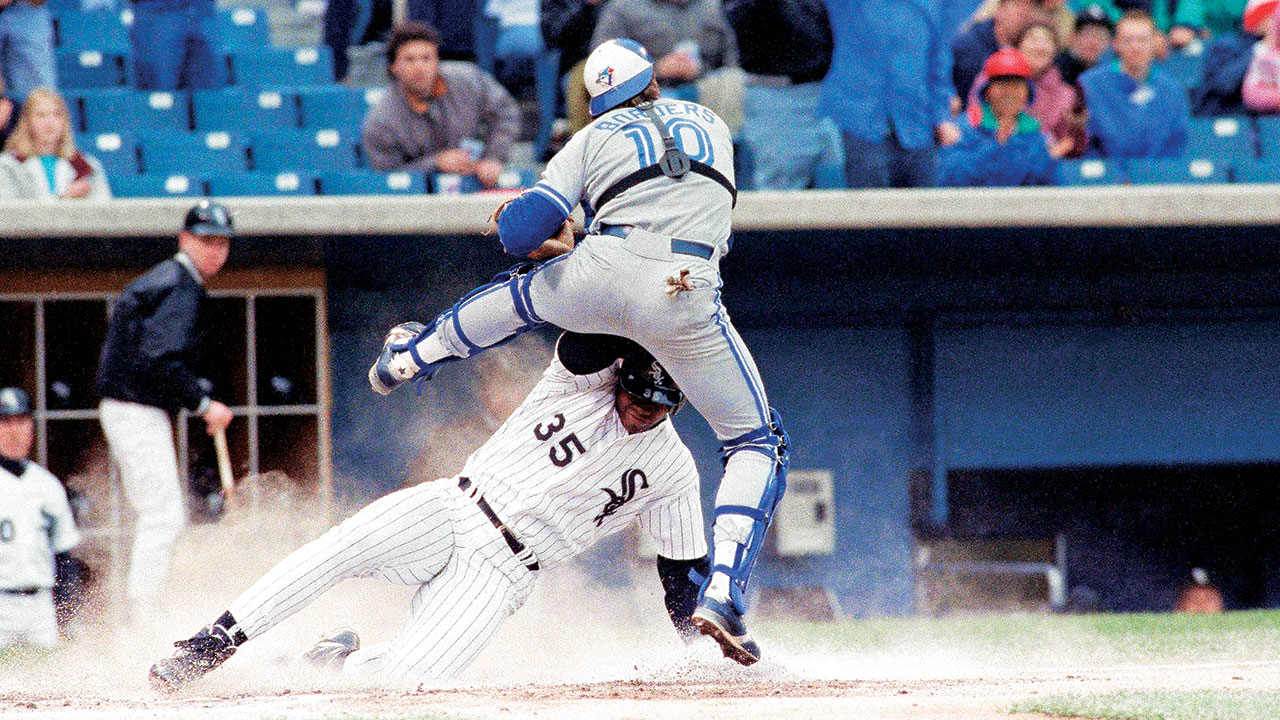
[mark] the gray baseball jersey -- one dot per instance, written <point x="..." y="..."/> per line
<point x="35" y="523"/>
<point x="625" y="140"/>
<point x="561" y="473"/>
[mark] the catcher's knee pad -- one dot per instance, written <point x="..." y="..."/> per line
<point x="770" y="440"/>
<point x="484" y="318"/>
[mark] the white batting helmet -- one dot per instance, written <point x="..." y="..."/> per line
<point x="616" y="71"/>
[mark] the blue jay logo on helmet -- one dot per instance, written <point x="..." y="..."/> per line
<point x="616" y="71"/>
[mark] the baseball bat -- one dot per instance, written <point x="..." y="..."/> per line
<point x="224" y="463"/>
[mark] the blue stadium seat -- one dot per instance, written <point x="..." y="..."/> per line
<point x="103" y="31"/>
<point x="336" y="106"/>
<point x="317" y="151"/>
<point x="510" y="179"/>
<point x="161" y="185"/>
<point x="244" y="110"/>
<point x="182" y="152"/>
<point x="1223" y="138"/>
<point x="242" y="27"/>
<point x="829" y="176"/>
<point x="370" y="182"/>
<point x="282" y="66"/>
<point x="1090" y="172"/>
<point x="134" y="110"/>
<point x="1181" y="171"/>
<point x="118" y="152"/>
<point x="1269" y="136"/>
<point x="262" y="184"/>
<point x="86" y="69"/>
<point x="63" y="7"/>
<point x="1257" y="171"/>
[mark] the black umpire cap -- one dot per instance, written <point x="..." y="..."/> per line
<point x="13" y="401"/>
<point x="209" y="218"/>
<point x="1094" y="15"/>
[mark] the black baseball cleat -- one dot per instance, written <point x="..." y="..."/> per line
<point x="332" y="650"/>
<point x="721" y="622"/>
<point x="197" y="655"/>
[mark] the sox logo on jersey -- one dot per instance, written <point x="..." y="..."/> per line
<point x="623" y="496"/>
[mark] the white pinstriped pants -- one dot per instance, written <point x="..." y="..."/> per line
<point x="28" y="618"/>
<point x="430" y="535"/>
<point x="141" y="442"/>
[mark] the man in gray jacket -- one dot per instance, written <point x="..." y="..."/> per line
<point x="448" y="117"/>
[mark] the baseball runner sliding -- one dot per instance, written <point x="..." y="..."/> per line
<point x="656" y="176"/>
<point x="588" y="453"/>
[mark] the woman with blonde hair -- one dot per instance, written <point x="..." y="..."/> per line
<point x="40" y="160"/>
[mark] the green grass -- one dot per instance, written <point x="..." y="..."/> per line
<point x="1160" y="705"/>
<point x="1015" y="639"/>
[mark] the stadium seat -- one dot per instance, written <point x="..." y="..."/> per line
<point x="1257" y="171"/>
<point x="369" y="182"/>
<point x="1221" y="138"/>
<point x="244" y="110"/>
<point x="336" y="106"/>
<point x="316" y="151"/>
<point x="453" y="184"/>
<point x="237" y="28"/>
<point x="118" y="152"/>
<point x="262" y="184"/>
<point x="178" y="152"/>
<point x="105" y="31"/>
<point x="1182" y="171"/>
<point x="87" y="69"/>
<point x="161" y="185"/>
<point x="829" y="176"/>
<point x="1269" y="137"/>
<point x="133" y="110"/>
<point x="282" y="66"/>
<point x="1090" y="172"/>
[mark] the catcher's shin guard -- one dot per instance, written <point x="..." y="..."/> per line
<point x="198" y="654"/>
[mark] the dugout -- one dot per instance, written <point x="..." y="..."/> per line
<point x="967" y="366"/>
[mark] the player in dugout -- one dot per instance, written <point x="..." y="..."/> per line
<point x="35" y="525"/>
<point x="588" y="453"/>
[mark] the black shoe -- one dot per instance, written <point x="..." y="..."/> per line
<point x="196" y="656"/>
<point x="721" y="621"/>
<point x="333" y="649"/>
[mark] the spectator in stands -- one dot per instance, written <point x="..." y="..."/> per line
<point x="171" y="48"/>
<point x="8" y="114"/>
<point x="1057" y="13"/>
<point x="1054" y="102"/>
<point x="785" y="48"/>
<point x="1224" y="17"/>
<point x="983" y="37"/>
<point x="1180" y="22"/>
<point x="455" y="22"/>
<point x="1261" y="89"/>
<point x="1090" y="40"/>
<point x="689" y="40"/>
<point x="1000" y="145"/>
<point x="1199" y="596"/>
<point x="1226" y="61"/>
<point x="40" y="160"/>
<point x="37" y="528"/>
<point x="568" y="25"/>
<point x="888" y="91"/>
<point x="449" y="117"/>
<point x="1135" y="110"/>
<point x="353" y="22"/>
<point x="517" y="43"/>
<point x="26" y="47"/>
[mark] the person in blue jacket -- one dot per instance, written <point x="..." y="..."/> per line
<point x="889" y="90"/>
<point x="1135" y="110"/>
<point x="1001" y="144"/>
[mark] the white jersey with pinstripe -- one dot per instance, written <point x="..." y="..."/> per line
<point x="622" y="141"/>
<point x="35" y="523"/>
<point x="561" y="472"/>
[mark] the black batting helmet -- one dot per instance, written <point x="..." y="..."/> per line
<point x="209" y="218"/>
<point x="645" y="377"/>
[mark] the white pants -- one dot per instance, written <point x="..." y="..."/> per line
<point x="141" y="442"/>
<point x="28" y="618"/>
<point x="619" y="286"/>
<point x="431" y="535"/>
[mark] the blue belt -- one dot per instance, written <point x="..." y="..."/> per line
<point x="683" y="247"/>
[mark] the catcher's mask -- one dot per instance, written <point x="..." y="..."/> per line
<point x="645" y="378"/>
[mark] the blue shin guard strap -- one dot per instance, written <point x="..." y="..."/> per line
<point x="752" y="512"/>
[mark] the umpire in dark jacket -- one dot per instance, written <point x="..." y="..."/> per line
<point x="146" y="374"/>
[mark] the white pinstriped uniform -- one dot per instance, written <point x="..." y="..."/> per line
<point x="562" y="473"/>
<point x="35" y="523"/>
